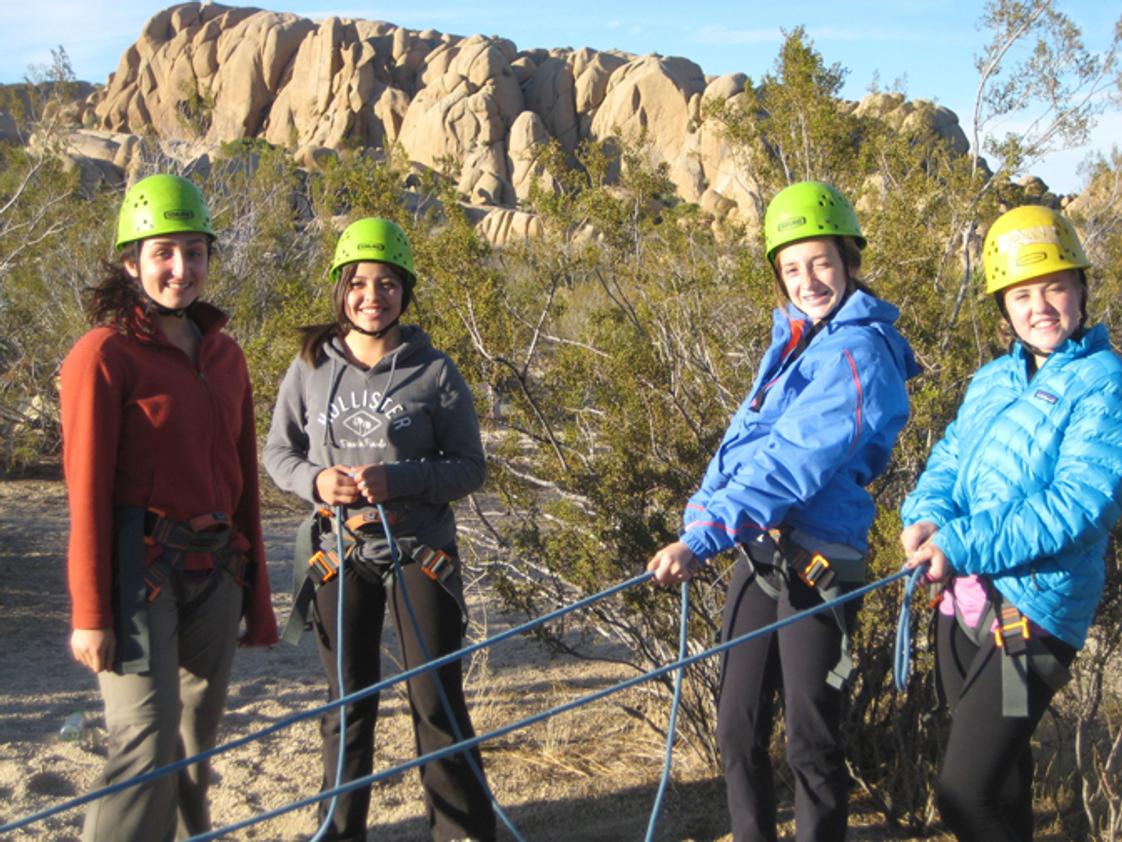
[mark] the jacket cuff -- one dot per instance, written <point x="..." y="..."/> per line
<point x="951" y="547"/>
<point x="704" y="542"/>
<point x="91" y="619"/>
<point x="404" y="479"/>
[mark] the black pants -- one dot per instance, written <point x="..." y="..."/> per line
<point x="456" y="802"/>
<point x="985" y="784"/>
<point x="798" y="657"/>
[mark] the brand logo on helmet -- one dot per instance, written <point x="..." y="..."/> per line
<point x="1030" y="257"/>
<point x="792" y="222"/>
<point x="375" y="246"/>
<point x="179" y="215"/>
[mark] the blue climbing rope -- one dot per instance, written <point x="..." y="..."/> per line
<point x="672" y="725"/>
<point x="457" y="732"/>
<point x="901" y="656"/>
<point x="300" y="716"/>
<point x="340" y="519"/>
<point x="547" y="714"/>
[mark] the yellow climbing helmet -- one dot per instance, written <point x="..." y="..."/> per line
<point x="1028" y="242"/>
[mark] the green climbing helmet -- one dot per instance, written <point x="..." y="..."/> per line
<point x="375" y="240"/>
<point x="808" y="209"/>
<point x="162" y="204"/>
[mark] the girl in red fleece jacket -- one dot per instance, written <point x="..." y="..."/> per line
<point x="165" y="553"/>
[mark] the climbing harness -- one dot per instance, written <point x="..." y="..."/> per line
<point x="1019" y="650"/>
<point x="317" y="542"/>
<point x="779" y="554"/>
<point x="141" y="580"/>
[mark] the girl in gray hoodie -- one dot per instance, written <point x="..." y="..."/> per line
<point x="370" y="413"/>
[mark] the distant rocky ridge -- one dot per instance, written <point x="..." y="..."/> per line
<point x="205" y="74"/>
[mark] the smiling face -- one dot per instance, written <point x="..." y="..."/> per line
<point x="1044" y="312"/>
<point x="814" y="276"/>
<point x="172" y="268"/>
<point x="373" y="297"/>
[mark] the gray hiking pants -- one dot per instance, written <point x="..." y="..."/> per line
<point x="167" y="713"/>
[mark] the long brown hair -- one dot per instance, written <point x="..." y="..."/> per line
<point x="114" y="299"/>
<point x="313" y="337"/>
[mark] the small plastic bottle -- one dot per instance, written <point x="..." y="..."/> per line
<point x="73" y="728"/>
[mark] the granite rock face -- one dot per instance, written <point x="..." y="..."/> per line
<point x="475" y="108"/>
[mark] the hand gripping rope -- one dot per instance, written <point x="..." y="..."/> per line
<point x="547" y="714"/>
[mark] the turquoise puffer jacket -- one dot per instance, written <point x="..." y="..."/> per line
<point x="817" y="427"/>
<point x="1027" y="481"/>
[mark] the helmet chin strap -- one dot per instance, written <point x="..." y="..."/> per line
<point x="376" y="334"/>
<point x="178" y="312"/>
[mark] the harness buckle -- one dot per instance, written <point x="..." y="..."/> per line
<point x="323" y="567"/>
<point x="436" y="564"/>
<point x="817" y="572"/>
<point x="154" y="576"/>
<point x="1012" y="631"/>
<point x="157" y="527"/>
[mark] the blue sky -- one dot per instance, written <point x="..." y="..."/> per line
<point x="930" y="45"/>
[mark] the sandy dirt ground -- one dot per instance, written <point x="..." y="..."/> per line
<point x="587" y="775"/>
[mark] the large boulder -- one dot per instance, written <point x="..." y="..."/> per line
<point x="206" y="70"/>
<point x="462" y="115"/>
<point x="648" y="100"/>
<point x="549" y="92"/>
<point x="528" y="138"/>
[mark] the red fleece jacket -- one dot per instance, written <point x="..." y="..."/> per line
<point x="144" y="426"/>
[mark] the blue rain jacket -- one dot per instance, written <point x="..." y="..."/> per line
<point x="827" y="423"/>
<point x="1027" y="481"/>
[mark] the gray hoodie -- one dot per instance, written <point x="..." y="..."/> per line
<point x="411" y="412"/>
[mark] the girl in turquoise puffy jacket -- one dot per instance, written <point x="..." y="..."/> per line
<point x="787" y="486"/>
<point x="1012" y="513"/>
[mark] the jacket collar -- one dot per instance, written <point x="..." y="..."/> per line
<point x="857" y="308"/>
<point x="1088" y="341"/>
<point x="208" y="318"/>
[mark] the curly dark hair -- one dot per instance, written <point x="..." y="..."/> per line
<point x="114" y="299"/>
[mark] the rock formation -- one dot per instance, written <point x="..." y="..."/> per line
<point x="474" y="108"/>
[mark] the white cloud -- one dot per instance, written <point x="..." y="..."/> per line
<point x="717" y="33"/>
